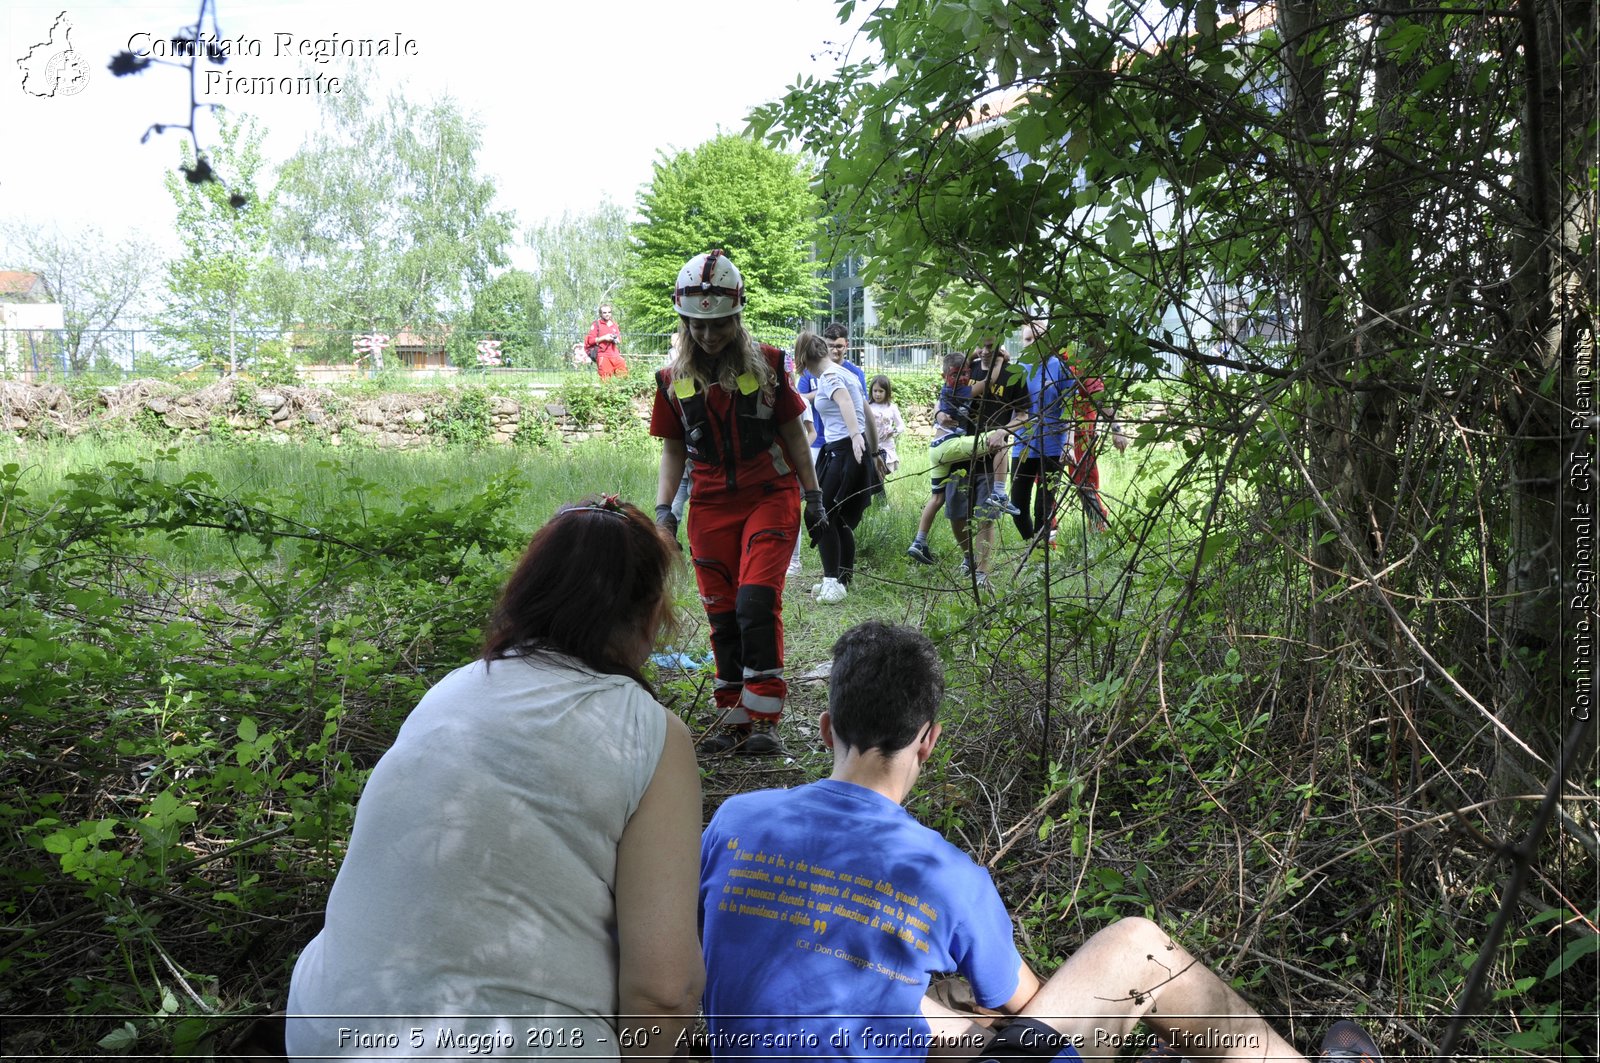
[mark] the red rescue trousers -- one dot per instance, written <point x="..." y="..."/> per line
<point x="1086" y="468"/>
<point x="741" y="543"/>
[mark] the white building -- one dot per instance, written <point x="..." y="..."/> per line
<point x="31" y="324"/>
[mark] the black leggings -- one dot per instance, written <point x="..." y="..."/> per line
<point x="1031" y="473"/>
<point x="845" y="494"/>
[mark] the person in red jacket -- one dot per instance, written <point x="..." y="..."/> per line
<point x="602" y="344"/>
<point x="1088" y="401"/>
<point x="727" y="404"/>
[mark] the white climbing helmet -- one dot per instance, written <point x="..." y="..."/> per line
<point x="709" y="286"/>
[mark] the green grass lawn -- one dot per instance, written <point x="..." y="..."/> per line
<point x="303" y="481"/>
<point x="316" y="475"/>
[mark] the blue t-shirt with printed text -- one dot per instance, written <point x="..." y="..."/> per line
<point x="825" y="911"/>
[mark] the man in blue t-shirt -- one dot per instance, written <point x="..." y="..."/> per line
<point x="826" y="910"/>
<point x="1043" y="445"/>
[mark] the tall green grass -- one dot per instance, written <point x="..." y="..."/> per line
<point x="315" y="475"/>
<point x="304" y="480"/>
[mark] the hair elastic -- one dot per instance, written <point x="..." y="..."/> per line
<point x="607" y="504"/>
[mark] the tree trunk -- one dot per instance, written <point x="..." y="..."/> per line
<point x="1306" y="113"/>
<point x="1547" y="351"/>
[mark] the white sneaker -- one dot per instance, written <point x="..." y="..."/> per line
<point x="794" y="567"/>
<point x="830" y="591"/>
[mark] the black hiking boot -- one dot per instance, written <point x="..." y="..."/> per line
<point x="763" y="741"/>
<point x="729" y="738"/>
<point x="1346" y="1040"/>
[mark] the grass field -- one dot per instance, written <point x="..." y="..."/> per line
<point x="317" y="475"/>
<point x="304" y="481"/>
<point x="189" y="714"/>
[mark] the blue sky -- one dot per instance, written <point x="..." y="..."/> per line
<point x="575" y="98"/>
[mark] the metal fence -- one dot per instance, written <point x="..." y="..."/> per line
<point x="324" y="356"/>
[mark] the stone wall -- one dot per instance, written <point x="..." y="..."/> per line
<point x="241" y="410"/>
<point x="227" y="409"/>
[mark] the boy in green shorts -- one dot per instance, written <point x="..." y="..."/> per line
<point x="955" y="445"/>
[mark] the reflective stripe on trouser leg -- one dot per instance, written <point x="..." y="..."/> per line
<point x="759" y="603"/>
<point x="727" y="648"/>
<point x="728" y="698"/>
<point x="715" y="545"/>
<point x="764" y="693"/>
<point x="761" y="628"/>
<point x="741" y="547"/>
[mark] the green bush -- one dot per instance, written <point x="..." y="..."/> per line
<point x="534" y="429"/>
<point x="214" y="734"/>
<point x="913" y="391"/>
<point x="613" y="404"/>
<point x="466" y="419"/>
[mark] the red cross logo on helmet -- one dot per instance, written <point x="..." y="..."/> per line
<point x="709" y="286"/>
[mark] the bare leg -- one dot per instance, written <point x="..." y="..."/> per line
<point x="1132" y="970"/>
<point x="983" y="546"/>
<point x="962" y="531"/>
<point x="957" y="1034"/>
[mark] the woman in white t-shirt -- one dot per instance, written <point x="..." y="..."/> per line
<point x="844" y="464"/>
<point x="523" y="867"/>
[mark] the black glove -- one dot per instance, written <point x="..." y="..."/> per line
<point x="667" y="521"/>
<point x="816" y="515"/>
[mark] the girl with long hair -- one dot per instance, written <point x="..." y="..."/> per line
<point x="727" y="405"/>
<point x="887" y="417"/>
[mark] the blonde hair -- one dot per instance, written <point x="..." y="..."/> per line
<point x="741" y="355"/>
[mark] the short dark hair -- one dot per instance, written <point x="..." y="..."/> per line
<point x="595" y="571"/>
<point x="886" y="686"/>
<point x="835" y="331"/>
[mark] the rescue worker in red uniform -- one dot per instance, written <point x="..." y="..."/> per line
<point x="726" y="403"/>
<point x="1085" y="472"/>
<point x="602" y="340"/>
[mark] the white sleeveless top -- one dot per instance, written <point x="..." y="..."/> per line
<point x="477" y="895"/>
